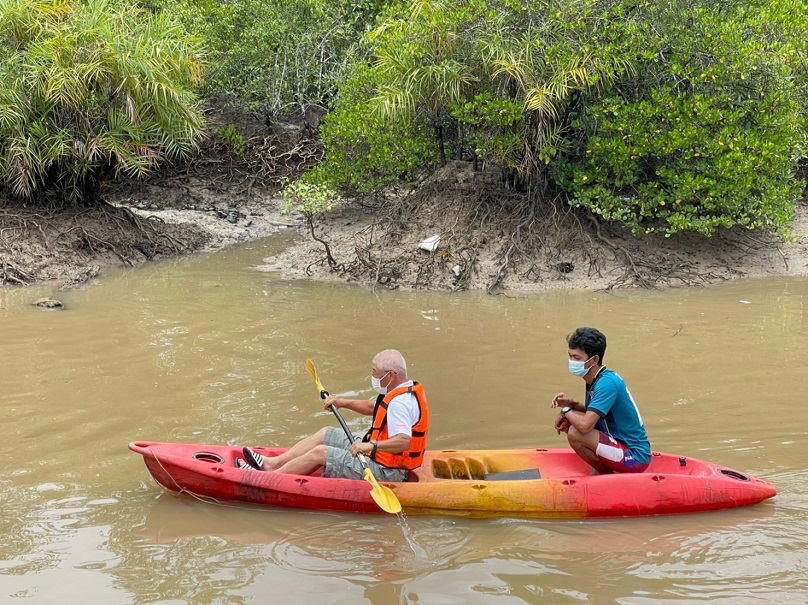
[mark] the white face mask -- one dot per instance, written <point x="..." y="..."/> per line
<point x="376" y="383"/>
<point x="578" y="368"/>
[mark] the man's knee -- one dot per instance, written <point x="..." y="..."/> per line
<point x="577" y="439"/>
<point x="318" y="454"/>
<point x="574" y="436"/>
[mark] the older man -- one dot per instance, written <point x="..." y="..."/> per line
<point x="394" y="444"/>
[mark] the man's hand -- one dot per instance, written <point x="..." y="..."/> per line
<point x="329" y="401"/>
<point x="562" y="425"/>
<point x="361" y="447"/>
<point x="561" y="400"/>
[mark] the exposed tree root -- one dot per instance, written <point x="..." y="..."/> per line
<point x="262" y="161"/>
<point x="78" y="236"/>
<point x="491" y="241"/>
<point x="640" y="278"/>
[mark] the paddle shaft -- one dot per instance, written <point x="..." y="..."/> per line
<point x="344" y="425"/>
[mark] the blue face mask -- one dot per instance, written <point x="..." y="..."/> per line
<point x="578" y="368"/>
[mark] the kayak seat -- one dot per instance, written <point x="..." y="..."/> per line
<point x="472" y="469"/>
<point x="459" y="468"/>
<point x="453" y="468"/>
<point x="520" y="475"/>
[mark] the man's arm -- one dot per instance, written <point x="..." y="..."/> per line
<point x="360" y="406"/>
<point x="583" y="421"/>
<point x="602" y="400"/>
<point x="394" y="445"/>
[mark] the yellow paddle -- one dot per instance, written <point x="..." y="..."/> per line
<point x="383" y="496"/>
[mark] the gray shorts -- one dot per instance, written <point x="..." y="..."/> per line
<point x="340" y="463"/>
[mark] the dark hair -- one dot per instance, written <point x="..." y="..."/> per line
<point x="589" y="340"/>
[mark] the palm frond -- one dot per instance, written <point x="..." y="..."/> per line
<point x="92" y="83"/>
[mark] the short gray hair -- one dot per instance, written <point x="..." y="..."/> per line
<point x="391" y="360"/>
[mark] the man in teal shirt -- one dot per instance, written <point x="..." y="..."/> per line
<point x="606" y="430"/>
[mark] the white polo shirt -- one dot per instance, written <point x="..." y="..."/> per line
<point x="402" y="412"/>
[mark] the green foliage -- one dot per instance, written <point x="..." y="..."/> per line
<point x="365" y="152"/>
<point x="675" y="115"/>
<point x="275" y="54"/>
<point x="788" y="20"/>
<point x="491" y="73"/>
<point x="706" y="135"/>
<point x="88" y="89"/>
<point x="667" y="116"/>
<point x="548" y="56"/>
<point x="494" y="127"/>
<point x="307" y="198"/>
<point x="423" y="59"/>
<point x="236" y="140"/>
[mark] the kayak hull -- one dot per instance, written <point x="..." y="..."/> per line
<point x="543" y="483"/>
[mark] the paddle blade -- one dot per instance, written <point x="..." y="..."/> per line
<point x="313" y="373"/>
<point x="383" y="496"/>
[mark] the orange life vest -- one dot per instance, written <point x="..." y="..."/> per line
<point x="414" y="456"/>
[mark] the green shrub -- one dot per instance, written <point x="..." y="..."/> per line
<point x="88" y="89"/>
<point x="307" y="198"/>
<point x="706" y="135"/>
<point x="275" y="55"/>
<point x="234" y="138"/>
<point x="485" y="78"/>
<point x="365" y="152"/>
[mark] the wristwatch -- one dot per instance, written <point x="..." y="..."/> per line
<point x="564" y="410"/>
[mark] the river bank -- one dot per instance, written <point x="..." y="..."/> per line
<point x="479" y="249"/>
<point x="70" y="248"/>
<point x="452" y="232"/>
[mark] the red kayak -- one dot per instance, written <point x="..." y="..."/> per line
<point x="550" y="483"/>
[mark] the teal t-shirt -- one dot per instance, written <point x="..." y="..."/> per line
<point x="609" y="397"/>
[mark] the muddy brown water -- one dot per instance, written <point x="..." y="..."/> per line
<point x="209" y="349"/>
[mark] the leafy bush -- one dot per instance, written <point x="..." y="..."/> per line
<point x="89" y="88"/>
<point x="486" y="78"/>
<point x="674" y="116"/>
<point x="490" y="124"/>
<point x="309" y="200"/>
<point x="275" y="55"/>
<point x="234" y="138"/>
<point x="706" y="135"/>
<point x="365" y="152"/>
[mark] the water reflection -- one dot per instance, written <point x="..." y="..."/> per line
<point x="519" y="559"/>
